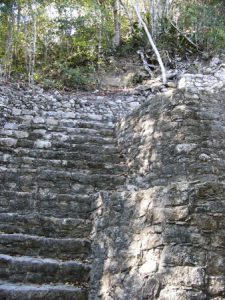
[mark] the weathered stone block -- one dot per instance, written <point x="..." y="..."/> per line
<point x="38" y="120"/>
<point x="151" y="241"/>
<point x="12" y="126"/>
<point x="173" y="293"/>
<point x="217" y="286"/>
<point x="8" y="142"/>
<point x="21" y="134"/>
<point x="42" y="144"/>
<point x="183" y="276"/>
<point x="170" y="214"/>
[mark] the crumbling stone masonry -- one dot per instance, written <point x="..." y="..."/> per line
<point x="56" y="153"/>
<point x="162" y="236"/>
<point x="104" y="197"/>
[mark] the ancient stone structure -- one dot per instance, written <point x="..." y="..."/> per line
<point x="95" y="204"/>
<point x="56" y="153"/>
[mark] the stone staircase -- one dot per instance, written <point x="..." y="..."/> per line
<point x="52" y="166"/>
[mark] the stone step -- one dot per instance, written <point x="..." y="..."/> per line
<point x="38" y="246"/>
<point x="53" y="144"/>
<point x="48" y="178"/>
<point x="46" y="203"/>
<point x="28" y="137"/>
<point x="23" y="131"/>
<point x="87" y="124"/>
<point x="11" y="161"/>
<point x="41" y="123"/>
<point x="89" y="132"/>
<point x="70" y="138"/>
<point x="51" y="117"/>
<point x="96" y="140"/>
<point x="97" y="168"/>
<point x="88" y="148"/>
<point x="100" y="157"/>
<point x="80" y="115"/>
<point x="36" y="224"/>
<point x="27" y="184"/>
<point x="28" y="269"/>
<point x="10" y="291"/>
<point x="98" y="181"/>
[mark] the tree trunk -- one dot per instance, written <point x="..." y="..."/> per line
<point x="8" y="57"/>
<point x="31" y="39"/>
<point x="163" y="70"/>
<point x="34" y="41"/>
<point x="17" y="34"/>
<point x="117" y="25"/>
<point x="159" y="10"/>
<point x="128" y="16"/>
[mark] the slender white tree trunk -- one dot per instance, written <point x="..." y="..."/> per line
<point x="34" y="42"/>
<point x="100" y="38"/>
<point x="8" y="57"/>
<point x="31" y="40"/>
<point x="163" y="70"/>
<point x="117" y="26"/>
<point x="159" y="10"/>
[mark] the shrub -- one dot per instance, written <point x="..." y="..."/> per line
<point x="203" y="22"/>
<point x="79" y="77"/>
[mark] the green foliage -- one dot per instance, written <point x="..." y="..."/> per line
<point x="137" y="79"/>
<point x="203" y="22"/>
<point x="73" y="35"/>
<point x="80" y="77"/>
<point x="48" y="84"/>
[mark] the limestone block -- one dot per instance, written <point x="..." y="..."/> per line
<point x="218" y="238"/>
<point x="38" y="120"/>
<point x="16" y="111"/>
<point x="42" y="144"/>
<point x="95" y="117"/>
<point x="216" y="262"/>
<point x="170" y="214"/>
<point x="217" y="286"/>
<point x="12" y="126"/>
<point x="176" y="293"/>
<point x="52" y="121"/>
<point x="21" y="134"/>
<point x="183" y="276"/>
<point x="185" y="148"/>
<point x="6" y="132"/>
<point x="182" y="255"/>
<point x="151" y="241"/>
<point x="68" y="115"/>
<point x="204" y="157"/>
<point x="8" y="142"/>
<point x="27" y="119"/>
<point x="148" y="267"/>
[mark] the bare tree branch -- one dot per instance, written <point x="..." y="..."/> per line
<point x="145" y="63"/>
<point x="184" y="35"/>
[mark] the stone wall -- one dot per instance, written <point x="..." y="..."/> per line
<point x="162" y="236"/>
<point x="57" y="151"/>
<point x="15" y="98"/>
<point x="142" y="208"/>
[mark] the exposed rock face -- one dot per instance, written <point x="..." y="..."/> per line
<point x="163" y="237"/>
<point x="91" y="210"/>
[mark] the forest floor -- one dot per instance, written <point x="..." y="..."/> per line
<point x="129" y="73"/>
